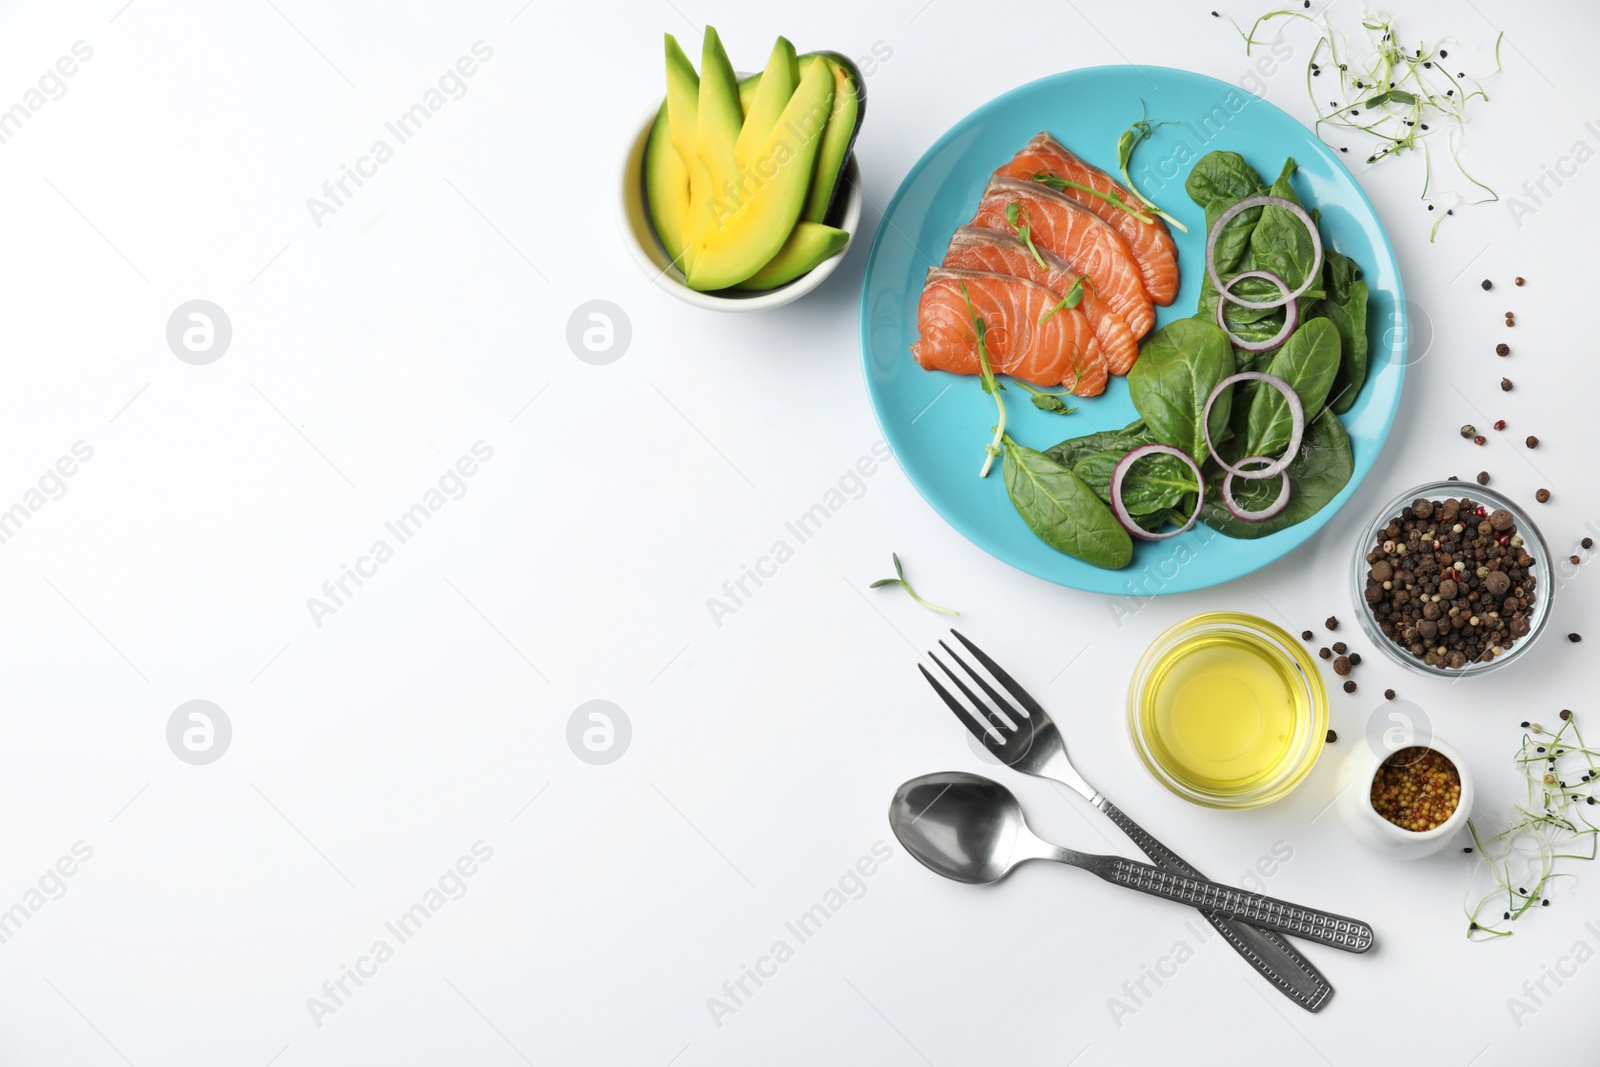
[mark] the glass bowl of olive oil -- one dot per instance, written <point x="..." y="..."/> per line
<point x="1228" y="710"/>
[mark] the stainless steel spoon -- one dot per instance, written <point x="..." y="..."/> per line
<point x="971" y="829"/>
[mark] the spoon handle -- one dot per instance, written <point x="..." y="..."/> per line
<point x="1338" y="931"/>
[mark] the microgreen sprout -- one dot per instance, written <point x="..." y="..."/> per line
<point x="1048" y="401"/>
<point x="1059" y="184"/>
<point x="903" y="583"/>
<point x="1516" y="863"/>
<point x="991" y="385"/>
<point x="1397" y="99"/>
<point x="1131" y="138"/>
<point x="1019" y="225"/>
<point x="1069" y="299"/>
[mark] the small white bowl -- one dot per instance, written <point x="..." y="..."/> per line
<point x="640" y="237"/>
<point x="1354" y="801"/>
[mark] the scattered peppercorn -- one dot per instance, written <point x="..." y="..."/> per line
<point x="1574" y="560"/>
<point x="1416" y="789"/>
<point x="1532" y="442"/>
<point x="1587" y="542"/>
<point x="1480" y="440"/>
<point x="1355" y="659"/>
<point x="1305" y="635"/>
<point x="1502" y="349"/>
<point x="1350" y="686"/>
<point x="1519" y="281"/>
<point x="1499" y="424"/>
<point x="1505" y="385"/>
<point x="1340" y="648"/>
<point x="1483" y="477"/>
<point x="1325" y="652"/>
<point x="1487" y="284"/>
<point x="1341" y="666"/>
<point x="1468" y="430"/>
<point x="1332" y="737"/>
<point x="1388" y="694"/>
<point x="1542" y="496"/>
<point x="1331" y="622"/>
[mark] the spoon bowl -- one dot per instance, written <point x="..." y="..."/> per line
<point x="960" y="825"/>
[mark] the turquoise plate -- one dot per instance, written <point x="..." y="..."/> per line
<point x="938" y="423"/>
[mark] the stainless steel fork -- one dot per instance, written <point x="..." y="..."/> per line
<point x="1030" y="742"/>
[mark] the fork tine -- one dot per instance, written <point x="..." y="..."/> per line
<point x="1012" y="713"/>
<point x="1001" y="676"/>
<point x="982" y="710"/>
<point x="977" y="729"/>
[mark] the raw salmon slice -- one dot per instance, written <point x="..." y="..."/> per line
<point x="1079" y="236"/>
<point x="974" y="248"/>
<point x="1061" y="351"/>
<point x="1151" y="242"/>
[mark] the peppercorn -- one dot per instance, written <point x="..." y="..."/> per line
<point x="1340" y="648"/>
<point x="1341" y="666"/>
<point x="1587" y="542"/>
<point x="1355" y="659"/>
<point x="1519" y="281"/>
<point x="1502" y="349"/>
<point x="1332" y="737"/>
<point x="1505" y="385"/>
<point x="1574" y="638"/>
<point x="1542" y="496"/>
<point x="1468" y="430"/>
<point x="1480" y="440"/>
<point x="1532" y="442"/>
<point x="1487" y="284"/>
<point x="1305" y="635"/>
<point x="1325" y="652"/>
<point x="1350" y="686"/>
<point x="1388" y="694"/>
<point x="1331" y="623"/>
<point x="1483" y="477"/>
<point x="1574" y="560"/>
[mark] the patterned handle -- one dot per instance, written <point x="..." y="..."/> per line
<point x="1271" y="956"/>
<point x="1335" y="930"/>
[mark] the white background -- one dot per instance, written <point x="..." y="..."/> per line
<point x="420" y="718"/>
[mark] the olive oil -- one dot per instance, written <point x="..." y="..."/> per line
<point x="1225" y="710"/>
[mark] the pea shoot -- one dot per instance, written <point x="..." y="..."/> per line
<point x="1069" y="299"/>
<point x="1051" y="402"/>
<point x="905" y="584"/>
<point x="1399" y="99"/>
<point x="1060" y="184"/>
<point x="1132" y="138"/>
<point x="1020" y="226"/>
<point x="991" y="384"/>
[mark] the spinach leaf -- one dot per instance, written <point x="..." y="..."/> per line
<point x="1178" y="367"/>
<point x="1155" y="483"/>
<point x="1308" y="362"/>
<point x="1280" y="242"/>
<point x="1062" y="510"/>
<point x="1222" y="176"/>
<point x="1131" y="436"/>
<point x="1320" y="470"/>
<point x="1346" y="305"/>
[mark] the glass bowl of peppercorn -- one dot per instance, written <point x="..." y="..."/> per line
<point x="1452" y="579"/>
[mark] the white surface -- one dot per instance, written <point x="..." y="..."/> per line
<point x="372" y="752"/>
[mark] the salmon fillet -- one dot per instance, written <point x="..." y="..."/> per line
<point x="1079" y="236"/>
<point x="1061" y="351"/>
<point x="974" y="248"/>
<point x="1150" y="242"/>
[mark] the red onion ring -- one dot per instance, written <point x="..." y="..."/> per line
<point x="1291" y="315"/>
<point x="1297" y="413"/>
<point x="1120" y="509"/>
<point x="1263" y="201"/>
<point x="1265" y="513"/>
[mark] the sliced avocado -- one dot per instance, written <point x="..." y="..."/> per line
<point x="776" y="86"/>
<point x="807" y="246"/>
<point x="668" y="154"/>
<point x="838" y="137"/>
<point x="754" y="211"/>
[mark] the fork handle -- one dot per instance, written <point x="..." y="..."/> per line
<point x="1293" y="975"/>
<point x="1341" y="932"/>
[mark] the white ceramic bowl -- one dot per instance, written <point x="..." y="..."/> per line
<point x="640" y="237"/>
<point x="1354" y="801"/>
